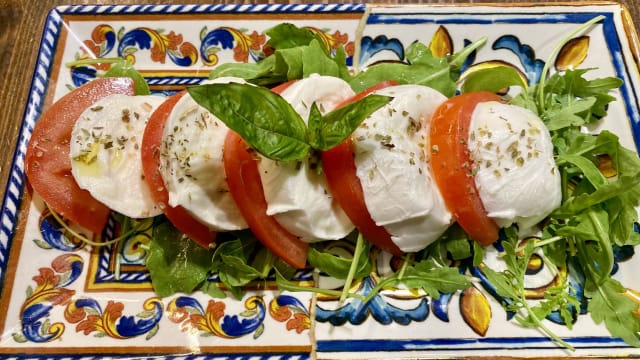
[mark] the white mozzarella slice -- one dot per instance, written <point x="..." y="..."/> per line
<point x="296" y="193"/>
<point x="105" y="153"/>
<point x="516" y="175"/>
<point x="392" y="165"/>
<point x="192" y="166"/>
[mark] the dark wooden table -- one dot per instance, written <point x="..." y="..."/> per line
<point x="21" y="23"/>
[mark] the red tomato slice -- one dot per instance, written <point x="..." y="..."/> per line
<point x="278" y="89"/>
<point x="245" y="186"/>
<point x="452" y="166"/>
<point x="47" y="163"/>
<point x="150" y="152"/>
<point x="339" y="168"/>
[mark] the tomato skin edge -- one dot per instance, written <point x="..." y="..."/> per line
<point x="47" y="162"/>
<point x="150" y="153"/>
<point x="340" y="171"/>
<point x="451" y="165"/>
<point x="245" y="186"/>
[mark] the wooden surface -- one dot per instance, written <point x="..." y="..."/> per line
<point x="21" y="23"/>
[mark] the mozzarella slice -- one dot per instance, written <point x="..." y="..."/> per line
<point x="105" y="153"/>
<point x="297" y="193"/>
<point x="516" y="175"/>
<point x="192" y="166"/>
<point x="392" y="165"/>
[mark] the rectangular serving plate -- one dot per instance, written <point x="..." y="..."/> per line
<point x="60" y="299"/>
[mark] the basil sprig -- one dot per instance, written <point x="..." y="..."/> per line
<point x="271" y="125"/>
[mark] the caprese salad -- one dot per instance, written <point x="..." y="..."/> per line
<point x="318" y="157"/>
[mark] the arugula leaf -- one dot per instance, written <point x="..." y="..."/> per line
<point x="425" y="275"/>
<point x="565" y="112"/>
<point x="434" y="279"/>
<point x="609" y="304"/>
<point x="606" y="192"/>
<point x="510" y="284"/>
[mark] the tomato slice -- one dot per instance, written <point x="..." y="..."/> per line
<point x="245" y="186"/>
<point x="47" y="163"/>
<point x="340" y="170"/>
<point x="150" y="153"/>
<point x="452" y="166"/>
<point x="278" y="89"/>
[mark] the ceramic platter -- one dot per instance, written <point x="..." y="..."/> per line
<point x="61" y="299"/>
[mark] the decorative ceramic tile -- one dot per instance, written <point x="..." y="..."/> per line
<point x="61" y="298"/>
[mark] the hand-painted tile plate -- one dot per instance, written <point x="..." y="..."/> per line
<point x="62" y="299"/>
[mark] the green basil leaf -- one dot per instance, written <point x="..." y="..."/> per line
<point x="317" y="61"/>
<point x="176" y="264"/>
<point x="493" y="79"/>
<point x="338" y="266"/>
<point x="433" y="74"/>
<point x="264" y="119"/>
<point x="262" y="73"/>
<point x="332" y="128"/>
<point x="287" y="35"/>
<point x="125" y="69"/>
<point x="457" y="243"/>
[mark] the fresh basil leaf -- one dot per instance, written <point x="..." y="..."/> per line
<point x="261" y="73"/>
<point x="456" y="242"/>
<point x="289" y="63"/>
<point x="287" y="35"/>
<point x="298" y="54"/>
<point x="493" y="79"/>
<point x="212" y="289"/>
<point x="435" y="75"/>
<point x="125" y="69"/>
<point x="316" y="60"/>
<point x="338" y="265"/>
<point x="176" y="264"/>
<point x="264" y="119"/>
<point x="331" y="129"/>
<point x="263" y="262"/>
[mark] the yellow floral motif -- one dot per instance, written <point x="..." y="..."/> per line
<point x="441" y="44"/>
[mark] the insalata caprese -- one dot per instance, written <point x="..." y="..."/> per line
<point x="313" y="158"/>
